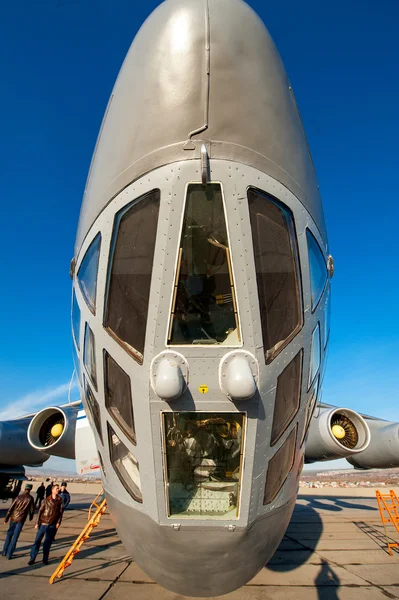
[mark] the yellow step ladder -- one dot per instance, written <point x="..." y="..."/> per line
<point x="93" y="521"/>
<point x="389" y="512"/>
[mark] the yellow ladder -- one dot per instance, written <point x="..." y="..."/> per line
<point x="389" y="512"/>
<point x="93" y="521"/>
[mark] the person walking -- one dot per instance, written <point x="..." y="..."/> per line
<point x="64" y="495"/>
<point x="40" y="495"/>
<point x="48" y="521"/>
<point x="16" y="514"/>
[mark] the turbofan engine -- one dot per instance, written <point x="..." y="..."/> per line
<point x="336" y="433"/>
<point x="52" y="431"/>
<point x="383" y="451"/>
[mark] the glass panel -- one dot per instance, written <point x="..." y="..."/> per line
<point x="130" y="269"/>
<point x="314" y="354"/>
<point x="310" y="409"/>
<point x="118" y="396"/>
<point x="279" y="467"/>
<point x="327" y="319"/>
<point x="76" y="362"/>
<point x="288" y="397"/>
<point x="125" y="465"/>
<point x="87" y="274"/>
<point x="275" y="254"/>
<point x="75" y="320"/>
<point x="89" y="355"/>
<point x="203" y="463"/>
<point x="318" y="269"/>
<point x="94" y="409"/>
<point x="204" y="307"/>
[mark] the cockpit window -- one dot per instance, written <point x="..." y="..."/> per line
<point x="118" y="396"/>
<point x="89" y="355"/>
<point x="87" y="274"/>
<point x="204" y="308"/>
<point x="75" y="320"/>
<point x="276" y="264"/>
<point x="318" y="268"/>
<point x="125" y="464"/>
<point x="288" y="397"/>
<point x="130" y="272"/>
<point x="94" y="409"/>
<point x="203" y="456"/>
<point x="279" y="467"/>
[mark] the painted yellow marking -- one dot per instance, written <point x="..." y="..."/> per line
<point x="203" y="389"/>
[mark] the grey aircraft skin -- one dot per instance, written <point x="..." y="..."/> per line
<point x="200" y="304"/>
<point x="202" y="116"/>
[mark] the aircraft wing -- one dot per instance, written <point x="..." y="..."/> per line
<point x="365" y="441"/>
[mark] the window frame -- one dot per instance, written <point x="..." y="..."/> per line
<point x="315" y="307"/>
<point x="294" y="432"/>
<point x="131" y="435"/>
<point x="92" y="308"/>
<point x="300" y="353"/>
<point x="313" y="392"/>
<point x="75" y="303"/>
<point x="97" y="424"/>
<point x="176" y="272"/>
<point x="88" y="373"/>
<point x="293" y="236"/>
<point x="111" y="431"/>
<point x="133" y="352"/>
<point x="244" y="415"/>
<point x="317" y="372"/>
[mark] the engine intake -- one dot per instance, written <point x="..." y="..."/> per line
<point x="336" y="433"/>
<point x="52" y="430"/>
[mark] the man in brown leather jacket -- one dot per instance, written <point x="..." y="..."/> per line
<point x="16" y="514"/>
<point x="48" y="521"/>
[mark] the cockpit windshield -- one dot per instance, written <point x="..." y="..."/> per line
<point x="204" y="309"/>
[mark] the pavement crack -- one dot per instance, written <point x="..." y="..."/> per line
<point x="114" y="582"/>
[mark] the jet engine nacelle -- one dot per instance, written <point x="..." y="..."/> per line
<point x="15" y="448"/>
<point x="336" y="433"/>
<point x="383" y="450"/>
<point x="52" y="431"/>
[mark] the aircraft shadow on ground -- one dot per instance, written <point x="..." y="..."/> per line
<point x="327" y="581"/>
<point x="337" y="504"/>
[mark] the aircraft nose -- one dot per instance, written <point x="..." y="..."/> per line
<point x="200" y="561"/>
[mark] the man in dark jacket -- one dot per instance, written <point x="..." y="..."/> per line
<point x="48" y="489"/>
<point x="40" y="495"/>
<point x="64" y="495"/>
<point x="16" y="514"/>
<point x="48" y="521"/>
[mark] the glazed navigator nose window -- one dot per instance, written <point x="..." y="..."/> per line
<point x="204" y="309"/>
<point x="203" y="463"/>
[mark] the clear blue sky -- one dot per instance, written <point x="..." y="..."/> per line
<point x="59" y="61"/>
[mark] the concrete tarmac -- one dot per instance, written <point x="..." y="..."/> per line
<point x="333" y="549"/>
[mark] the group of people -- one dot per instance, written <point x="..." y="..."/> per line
<point x="52" y="501"/>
